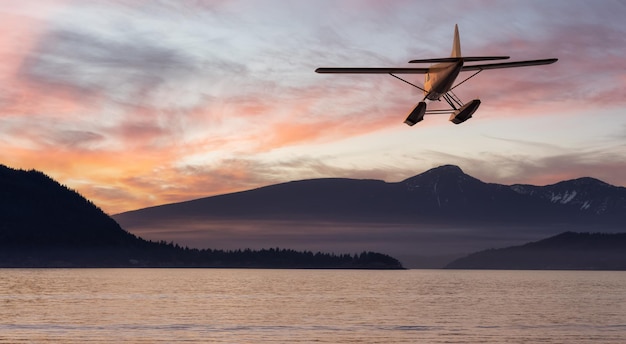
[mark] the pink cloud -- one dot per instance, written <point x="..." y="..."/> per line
<point x="122" y="115"/>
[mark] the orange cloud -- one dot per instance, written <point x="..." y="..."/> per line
<point x="131" y="120"/>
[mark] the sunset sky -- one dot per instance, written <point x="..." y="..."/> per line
<point x="138" y="103"/>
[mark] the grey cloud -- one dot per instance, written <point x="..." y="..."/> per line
<point x="247" y="172"/>
<point x="112" y="194"/>
<point x="606" y="165"/>
<point x="49" y="132"/>
<point x="127" y="68"/>
<point x="527" y="143"/>
<point x="75" y="139"/>
<point x="94" y="64"/>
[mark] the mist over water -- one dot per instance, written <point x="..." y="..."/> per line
<point x="323" y="306"/>
<point x="435" y="246"/>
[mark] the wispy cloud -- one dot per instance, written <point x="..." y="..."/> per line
<point x="554" y="165"/>
<point x="138" y="103"/>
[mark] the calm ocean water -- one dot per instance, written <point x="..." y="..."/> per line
<point x="304" y="306"/>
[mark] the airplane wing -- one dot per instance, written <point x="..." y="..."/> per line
<point x="464" y="58"/>
<point x="508" y="64"/>
<point x="383" y="70"/>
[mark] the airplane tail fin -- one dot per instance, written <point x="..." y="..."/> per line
<point x="456" y="54"/>
<point x="456" y="45"/>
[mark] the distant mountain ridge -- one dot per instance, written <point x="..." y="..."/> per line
<point x="426" y="220"/>
<point x="440" y="195"/>
<point x="587" y="194"/>
<point x="566" y="251"/>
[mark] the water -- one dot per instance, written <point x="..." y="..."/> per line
<point x="305" y="306"/>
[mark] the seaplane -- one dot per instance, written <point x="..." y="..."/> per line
<point x="440" y="78"/>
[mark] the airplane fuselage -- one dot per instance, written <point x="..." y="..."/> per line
<point x="440" y="78"/>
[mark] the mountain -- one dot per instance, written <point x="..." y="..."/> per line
<point x="44" y="224"/>
<point x="436" y="215"/>
<point x="584" y="198"/>
<point x="566" y="251"/>
<point x="38" y="212"/>
<point x="441" y="195"/>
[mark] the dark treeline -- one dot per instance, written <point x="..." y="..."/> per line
<point x="169" y="255"/>
<point x="45" y="224"/>
<point x="283" y="258"/>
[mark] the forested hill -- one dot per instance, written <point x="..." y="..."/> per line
<point x="566" y="251"/>
<point x="38" y="212"/>
<point x="45" y="224"/>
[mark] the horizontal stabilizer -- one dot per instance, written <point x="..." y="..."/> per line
<point x="464" y="58"/>
<point x="508" y="64"/>
<point x="357" y="70"/>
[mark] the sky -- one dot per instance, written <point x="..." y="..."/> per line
<point x="139" y="103"/>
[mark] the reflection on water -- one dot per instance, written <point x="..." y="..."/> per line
<point x="324" y="306"/>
